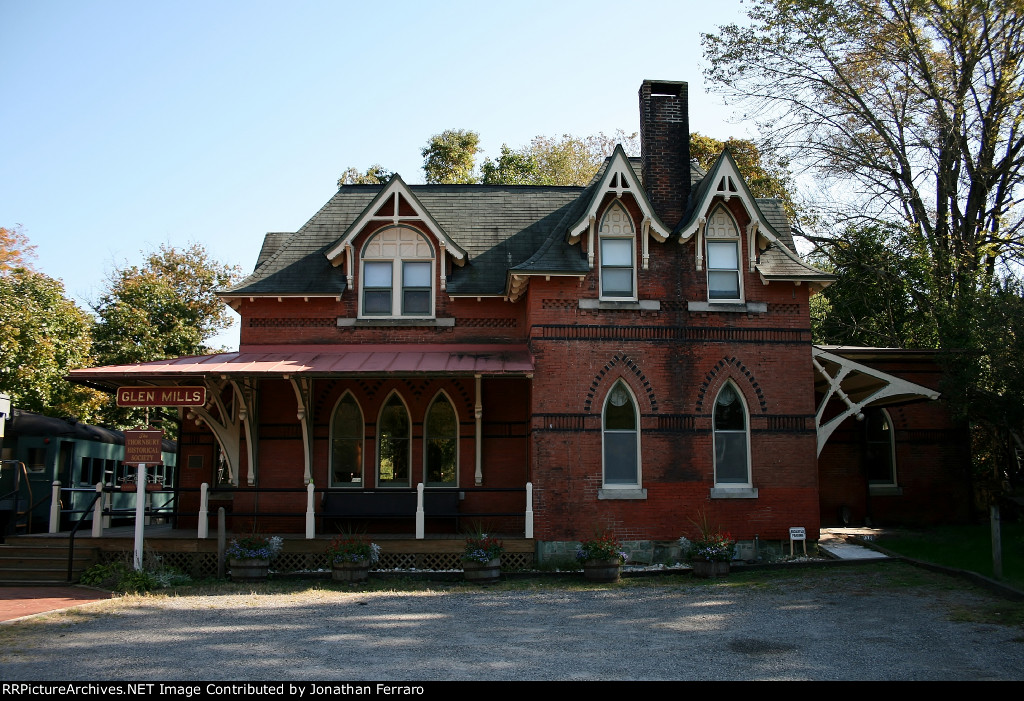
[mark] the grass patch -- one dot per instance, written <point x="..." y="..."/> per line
<point x="963" y="547"/>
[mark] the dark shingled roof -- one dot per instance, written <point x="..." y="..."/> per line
<point x="499" y="226"/>
<point x="502" y="228"/>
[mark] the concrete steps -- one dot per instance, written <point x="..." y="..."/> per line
<point x="41" y="565"/>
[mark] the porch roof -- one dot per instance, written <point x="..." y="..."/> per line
<point x="323" y="360"/>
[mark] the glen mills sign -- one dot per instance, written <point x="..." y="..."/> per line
<point x="161" y="396"/>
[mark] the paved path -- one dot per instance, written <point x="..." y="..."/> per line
<point x="16" y="602"/>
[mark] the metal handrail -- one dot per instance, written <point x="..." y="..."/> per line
<point x="71" y="537"/>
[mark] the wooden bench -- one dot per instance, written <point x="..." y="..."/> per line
<point x="361" y="504"/>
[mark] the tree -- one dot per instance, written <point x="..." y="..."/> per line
<point x="164" y="309"/>
<point x="449" y="157"/>
<point x="44" y="336"/>
<point x="912" y="112"/>
<point x="15" y="249"/>
<point x="872" y="302"/>
<point x="916" y="104"/>
<point x="374" y="175"/>
<point x="547" y="160"/>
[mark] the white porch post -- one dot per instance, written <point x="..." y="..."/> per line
<point x="97" y="513"/>
<point x="140" y="515"/>
<point x="479" y="477"/>
<point x="529" y="510"/>
<point x="420" y="529"/>
<point x="204" y="510"/>
<point x="55" y="508"/>
<point x="310" y="514"/>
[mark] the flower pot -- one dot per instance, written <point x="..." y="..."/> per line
<point x="358" y="571"/>
<point x="602" y="570"/>
<point x="249" y="569"/>
<point x="482" y="572"/>
<point x="709" y="568"/>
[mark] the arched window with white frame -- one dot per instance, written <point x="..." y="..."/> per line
<point x="620" y="434"/>
<point x="732" y="439"/>
<point x="617" y="241"/>
<point x="879" y="448"/>
<point x="397" y="274"/>
<point x="725" y="280"/>
<point x="441" y="443"/>
<point x="394" y="444"/>
<point x="347" y="443"/>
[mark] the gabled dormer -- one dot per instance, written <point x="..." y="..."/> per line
<point x="724" y="249"/>
<point x="396" y="205"/>
<point x="617" y="218"/>
<point x="399" y="251"/>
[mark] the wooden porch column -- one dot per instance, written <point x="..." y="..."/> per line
<point x="479" y="479"/>
<point x="303" y="396"/>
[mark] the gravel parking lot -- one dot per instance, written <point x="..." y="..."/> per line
<point x="876" y="622"/>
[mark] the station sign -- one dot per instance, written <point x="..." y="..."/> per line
<point x="161" y="396"/>
<point x="143" y="447"/>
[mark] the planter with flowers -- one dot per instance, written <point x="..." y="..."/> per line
<point x="481" y="560"/>
<point x="711" y="552"/>
<point x="351" y="558"/>
<point x="249" y="558"/>
<point x="602" y="558"/>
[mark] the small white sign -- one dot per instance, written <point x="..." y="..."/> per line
<point x="798" y="533"/>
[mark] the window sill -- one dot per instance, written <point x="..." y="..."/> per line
<point x="609" y="493"/>
<point x="885" y="490"/>
<point x="646" y="305"/>
<point x="345" y="321"/>
<point x="734" y="492"/>
<point x="733" y="307"/>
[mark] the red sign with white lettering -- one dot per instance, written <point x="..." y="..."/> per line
<point x="161" y="396"/>
<point x="143" y="447"/>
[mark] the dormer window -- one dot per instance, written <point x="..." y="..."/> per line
<point x="618" y="254"/>
<point x="725" y="284"/>
<point x="397" y="274"/>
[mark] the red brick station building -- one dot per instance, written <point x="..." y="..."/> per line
<point x="630" y="356"/>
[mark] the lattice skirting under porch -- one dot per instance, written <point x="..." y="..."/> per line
<point x="200" y="565"/>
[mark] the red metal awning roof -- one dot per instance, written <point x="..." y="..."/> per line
<point x="323" y="360"/>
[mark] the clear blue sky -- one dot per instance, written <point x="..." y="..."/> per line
<point x="126" y="125"/>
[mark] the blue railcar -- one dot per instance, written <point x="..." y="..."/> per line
<point x="38" y="450"/>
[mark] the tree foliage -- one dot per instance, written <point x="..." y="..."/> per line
<point x="915" y="106"/>
<point x="569" y="160"/>
<point x="374" y="175"/>
<point x="163" y="309"/>
<point x="44" y="336"/>
<point x="449" y="158"/>
<point x="910" y="112"/>
<point x="15" y="249"/>
<point x="872" y="303"/>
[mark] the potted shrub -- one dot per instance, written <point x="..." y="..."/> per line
<point x="711" y="552"/>
<point x="481" y="559"/>
<point x="602" y="558"/>
<point x="249" y="558"/>
<point x="351" y="558"/>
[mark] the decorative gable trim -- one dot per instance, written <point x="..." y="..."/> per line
<point x="619" y="178"/>
<point x="724" y="180"/>
<point x="395" y="204"/>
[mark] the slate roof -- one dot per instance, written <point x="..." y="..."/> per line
<point x="499" y="226"/>
<point x="502" y="228"/>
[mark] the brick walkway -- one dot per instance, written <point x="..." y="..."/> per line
<point x="16" y="602"/>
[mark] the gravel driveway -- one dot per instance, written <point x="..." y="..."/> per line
<point x="874" y="623"/>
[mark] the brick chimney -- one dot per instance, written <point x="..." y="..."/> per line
<point x="665" y="146"/>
